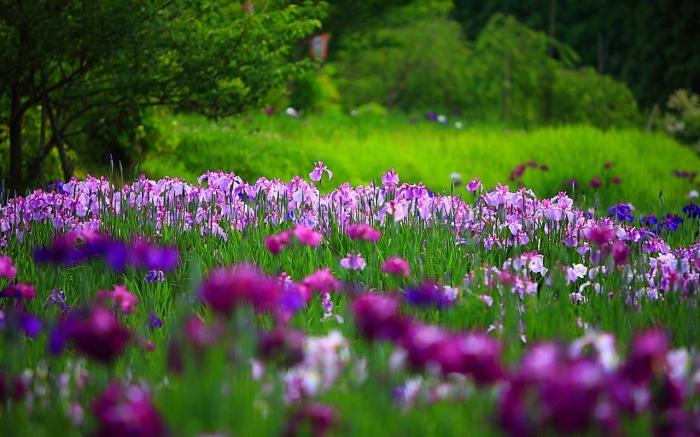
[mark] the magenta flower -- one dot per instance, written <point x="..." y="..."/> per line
<point x="97" y="334"/>
<point x="474" y="185"/>
<point x="647" y="356"/>
<point x="226" y="288"/>
<point x="353" y="261"/>
<point x="19" y="291"/>
<point x="363" y="232"/>
<point x="396" y="266"/>
<point x="7" y="269"/>
<point x="306" y="235"/>
<point x="322" y="281"/>
<point x="377" y="317"/>
<point x="317" y="173"/>
<point x="276" y="243"/>
<point x="127" y="410"/>
<point x="620" y="253"/>
<point x="474" y="354"/>
<point x="596" y="183"/>
<point x="601" y="234"/>
<point x="123" y="298"/>
<point x="390" y="179"/>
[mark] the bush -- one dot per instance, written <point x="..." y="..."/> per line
<point x="584" y="96"/>
<point x="315" y="92"/>
<point x="682" y="118"/>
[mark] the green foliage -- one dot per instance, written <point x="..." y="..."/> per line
<point x="419" y="64"/>
<point x="584" y="96"/>
<point x="93" y="66"/>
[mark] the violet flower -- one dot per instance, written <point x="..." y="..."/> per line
<point x="428" y="294"/>
<point x="622" y="212"/>
<point x="155" y="276"/>
<point x="57" y="297"/>
<point x="153" y="321"/>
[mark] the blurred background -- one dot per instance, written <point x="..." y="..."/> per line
<point x="592" y="96"/>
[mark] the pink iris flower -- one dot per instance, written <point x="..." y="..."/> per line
<point x="363" y="232"/>
<point x="123" y="298"/>
<point x="317" y="173"/>
<point x="276" y="243"/>
<point x="307" y="235"/>
<point x="322" y="281"/>
<point x="396" y="266"/>
<point x="474" y="185"/>
<point x="390" y="179"/>
<point x="7" y="269"/>
<point x="353" y="261"/>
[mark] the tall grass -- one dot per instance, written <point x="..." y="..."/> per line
<point x="359" y="148"/>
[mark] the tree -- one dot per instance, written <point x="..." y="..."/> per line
<point x="88" y="68"/>
<point x="644" y="44"/>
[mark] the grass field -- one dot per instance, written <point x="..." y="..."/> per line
<point x="196" y="372"/>
<point x="359" y="149"/>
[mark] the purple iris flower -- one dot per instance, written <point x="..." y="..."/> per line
<point x="649" y="221"/>
<point x="153" y="321"/>
<point x="291" y="299"/>
<point x="692" y="210"/>
<point x="31" y="325"/>
<point x="155" y="276"/>
<point x="622" y="212"/>
<point x="117" y="255"/>
<point x="58" y="337"/>
<point x="428" y="294"/>
<point x="57" y="297"/>
<point x="431" y="116"/>
<point x="672" y="222"/>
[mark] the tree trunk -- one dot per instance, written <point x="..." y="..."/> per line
<point x="66" y="165"/>
<point x="15" y="181"/>
<point x="60" y="144"/>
